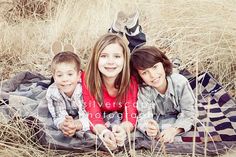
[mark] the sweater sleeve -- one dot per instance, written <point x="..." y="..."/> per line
<point x="91" y="105"/>
<point x="56" y="108"/>
<point x="130" y="109"/>
<point x="83" y="116"/>
<point x="144" y="106"/>
<point x="187" y="100"/>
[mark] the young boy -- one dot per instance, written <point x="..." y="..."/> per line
<point x="64" y="96"/>
<point x="165" y="99"/>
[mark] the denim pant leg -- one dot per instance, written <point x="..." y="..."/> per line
<point x="165" y="121"/>
<point x="136" y="40"/>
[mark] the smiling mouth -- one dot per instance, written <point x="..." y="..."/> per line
<point x="156" y="80"/>
<point x="67" y="85"/>
<point x="110" y="68"/>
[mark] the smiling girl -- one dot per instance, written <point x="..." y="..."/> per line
<point x="108" y="87"/>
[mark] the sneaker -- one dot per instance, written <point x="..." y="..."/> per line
<point x="56" y="47"/>
<point x="119" y="23"/>
<point x="176" y="62"/>
<point x="132" y="25"/>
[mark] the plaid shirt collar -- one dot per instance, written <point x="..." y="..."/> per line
<point x="57" y="94"/>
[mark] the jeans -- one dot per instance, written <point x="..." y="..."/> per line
<point x="136" y="41"/>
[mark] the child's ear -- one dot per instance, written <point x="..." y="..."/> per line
<point x="69" y="47"/>
<point x="57" y="47"/>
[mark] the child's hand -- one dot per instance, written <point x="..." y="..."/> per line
<point x="78" y="125"/>
<point x="168" y="135"/>
<point x="109" y="139"/>
<point x="120" y="135"/>
<point x="68" y="126"/>
<point x="152" y="128"/>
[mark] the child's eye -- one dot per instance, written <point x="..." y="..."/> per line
<point x="59" y="75"/>
<point x="117" y="56"/>
<point x="144" y="73"/>
<point x="70" y="74"/>
<point x="155" y="66"/>
<point x="103" y="56"/>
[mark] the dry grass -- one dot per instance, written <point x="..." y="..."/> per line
<point x="201" y="33"/>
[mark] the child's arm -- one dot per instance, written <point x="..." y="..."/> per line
<point x="56" y="108"/>
<point x="106" y="135"/>
<point x="94" y="111"/>
<point x="69" y="126"/>
<point x="78" y="125"/>
<point x="144" y="106"/>
<point x="120" y="134"/>
<point x="168" y="135"/>
<point x="83" y="121"/>
<point x="92" y="107"/>
<point x="130" y="108"/>
<point x="152" y="128"/>
<point x="187" y="100"/>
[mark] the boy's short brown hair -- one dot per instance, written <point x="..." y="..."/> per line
<point x="65" y="57"/>
<point x="146" y="57"/>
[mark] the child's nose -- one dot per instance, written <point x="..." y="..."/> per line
<point x="64" y="78"/>
<point x="110" y="60"/>
<point x="152" y="73"/>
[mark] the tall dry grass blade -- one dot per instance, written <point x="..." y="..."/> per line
<point x="181" y="28"/>
<point x="196" y="110"/>
<point x="207" y="130"/>
<point x="109" y="150"/>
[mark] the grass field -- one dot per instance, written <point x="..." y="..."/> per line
<point x="202" y="33"/>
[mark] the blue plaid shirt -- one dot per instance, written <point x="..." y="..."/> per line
<point x="178" y="100"/>
<point x="60" y="105"/>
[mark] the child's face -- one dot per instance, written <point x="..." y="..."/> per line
<point x="66" y="77"/>
<point x="111" y="61"/>
<point x="154" y="76"/>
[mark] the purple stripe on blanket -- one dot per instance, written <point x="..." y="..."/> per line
<point x="224" y="99"/>
<point x="200" y="108"/>
<point x="203" y="134"/>
<point x="223" y="126"/>
<point x="193" y="83"/>
<point x="215" y="110"/>
<point x="228" y="137"/>
<point x="213" y="101"/>
<point x="216" y="88"/>
<point x="205" y="93"/>
<point x="206" y="123"/>
<point x="200" y="97"/>
<point x="202" y="117"/>
<point x="217" y="118"/>
<point x="205" y="80"/>
<point x="229" y="110"/>
<point x="232" y="119"/>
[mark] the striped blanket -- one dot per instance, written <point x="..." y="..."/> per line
<point x="215" y="128"/>
<point x="217" y="110"/>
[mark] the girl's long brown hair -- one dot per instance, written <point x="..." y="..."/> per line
<point x="93" y="77"/>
